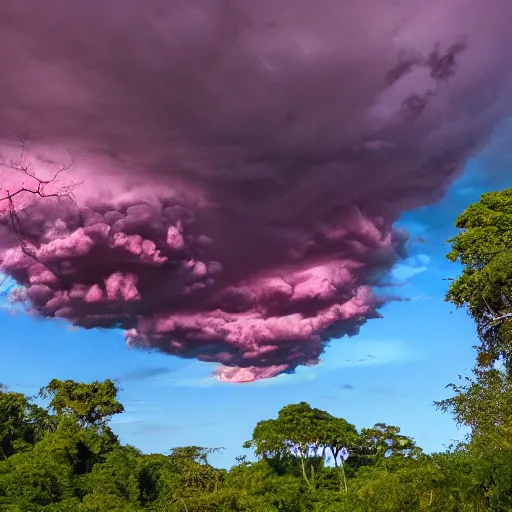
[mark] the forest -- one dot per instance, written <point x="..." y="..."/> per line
<point x="58" y="452"/>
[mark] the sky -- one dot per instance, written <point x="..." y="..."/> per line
<point x="213" y="193"/>
<point x="391" y="372"/>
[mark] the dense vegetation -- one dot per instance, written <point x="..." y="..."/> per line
<point x="65" y="457"/>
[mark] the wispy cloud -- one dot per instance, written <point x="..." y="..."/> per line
<point x="347" y="353"/>
<point x="410" y="267"/>
<point x="191" y="382"/>
<point x="302" y="374"/>
<point x="208" y="381"/>
<point x="144" y="373"/>
<point x="421" y="296"/>
<point x="204" y="378"/>
<point x="341" y="353"/>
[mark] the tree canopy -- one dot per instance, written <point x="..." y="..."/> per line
<point x="62" y="458"/>
<point x="483" y="247"/>
<point x="91" y="404"/>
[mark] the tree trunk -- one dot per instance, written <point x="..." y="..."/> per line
<point x="303" y="466"/>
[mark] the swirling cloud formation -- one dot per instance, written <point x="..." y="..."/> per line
<point x="238" y="165"/>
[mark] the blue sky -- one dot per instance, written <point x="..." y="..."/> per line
<point x="391" y="372"/>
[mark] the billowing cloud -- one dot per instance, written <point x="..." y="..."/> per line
<point x="238" y="165"/>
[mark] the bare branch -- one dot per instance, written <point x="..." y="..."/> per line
<point x="490" y="310"/>
<point x="505" y="299"/>
<point x="497" y="320"/>
<point x="39" y="189"/>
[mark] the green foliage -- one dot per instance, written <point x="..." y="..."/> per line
<point x="383" y="441"/>
<point x="305" y="435"/>
<point x="484" y="403"/>
<point x="483" y="247"/>
<point x="274" y="492"/>
<point x="117" y="476"/>
<point x="40" y="479"/>
<point x="66" y="459"/>
<point x="91" y="404"/>
<point x="301" y="431"/>
<point x="193" y="472"/>
<point x="338" y="433"/>
<point x="22" y="423"/>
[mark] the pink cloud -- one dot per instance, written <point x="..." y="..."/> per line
<point x="239" y="165"/>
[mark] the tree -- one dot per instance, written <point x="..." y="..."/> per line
<point x="80" y="466"/>
<point x="155" y="478"/>
<point x="22" y="423"/>
<point x="259" y="488"/>
<point x="194" y="472"/>
<point x="98" y="502"/>
<point x="338" y="433"/>
<point x="115" y="480"/>
<point x="298" y="430"/>
<point x="385" y="441"/>
<point x="483" y="403"/>
<point x="91" y="404"/>
<point x="483" y="247"/>
<point x="35" y="477"/>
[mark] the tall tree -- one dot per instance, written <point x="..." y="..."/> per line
<point x="22" y="423"/>
<point x="484" y="404"/>
<point x="298" y="430"/>
<point x="483" y="247"/>
<point x="338" y="433"/>
<point x="383" y="441"/>
<point x="91" y="404"/>
<point x="194" y="471"/>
